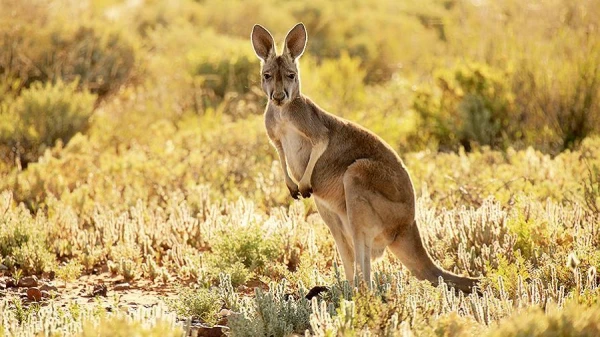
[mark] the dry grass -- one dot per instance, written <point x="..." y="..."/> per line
<point x="171" y="183"/>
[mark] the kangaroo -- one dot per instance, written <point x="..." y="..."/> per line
<point x="360" y="186"/>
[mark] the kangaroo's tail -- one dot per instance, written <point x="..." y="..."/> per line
<point x="408" y="247"/>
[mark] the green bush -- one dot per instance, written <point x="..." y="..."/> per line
<point x="52" y="46"/>
<point x="339" y="82"/>
<point x="42" y="115"/>
<point x="591" y="189"/>
<point x="470" y="104"/>
<point x="197" y="303"/>
<point x="560" y="99"/>
<point x="23" y="239"/>
<point x="229" y="76"/>
<point x="242" y="254"/>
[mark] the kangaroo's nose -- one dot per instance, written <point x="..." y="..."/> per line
<point x="278" y="96"/>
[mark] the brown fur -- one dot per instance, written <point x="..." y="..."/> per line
<point x="361" y="188"/>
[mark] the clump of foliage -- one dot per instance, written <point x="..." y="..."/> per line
<point x="23" y="239"/>
<point x="573" y="320"/>
<point x="42" y="43"/>
<point x="40" y="116"/>
<point x="471" y="104"/>
<point x="242" y="254"/>
<point x="84" y="321"/>
<point x="591" y="188"/>
<point x="272" y="313"/>
<point x="199" y="303"/>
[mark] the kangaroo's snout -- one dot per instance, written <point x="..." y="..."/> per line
<point x="278" y="97"/>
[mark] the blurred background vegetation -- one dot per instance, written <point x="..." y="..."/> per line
<point x="438" y="75"/>
<point x="98" y="85"/>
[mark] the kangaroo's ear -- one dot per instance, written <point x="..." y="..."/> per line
<point x="262" y="41"/>
<point x="295" y="41"/>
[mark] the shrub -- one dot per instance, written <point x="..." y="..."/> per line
<point x="470" y="104"/>
<point x="23" y="239"/>
<point x="230" y="76"/>
<point x="52" y="47"/>
<point x="339" y="82"/>
<point x="242" y="253"/>
<point x="591" y="189"/>
<point x="41" y="116"/>
<point x="69" y="271"/>
<point x="573" y="320"/>
<point x="197" y="303"/>
<point x="272" y="313"/>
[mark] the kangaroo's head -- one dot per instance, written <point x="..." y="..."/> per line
<point x="280" y="75"/>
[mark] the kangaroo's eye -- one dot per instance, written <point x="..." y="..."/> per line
<point x="267" y="76"/>
<point x="291" y="76"/>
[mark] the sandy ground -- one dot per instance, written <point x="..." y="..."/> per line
<point x="104" y="288"/>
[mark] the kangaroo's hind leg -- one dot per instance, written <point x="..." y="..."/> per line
<point x="374" y="206"/>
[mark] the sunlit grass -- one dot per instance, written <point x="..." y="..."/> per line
<point x="493" y="107"/>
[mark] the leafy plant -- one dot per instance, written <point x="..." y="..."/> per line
<point x="470" y="104"/>
<point x="199" y="303"/>
<point x="42" y="115"/>
<point x="242" y="253"/>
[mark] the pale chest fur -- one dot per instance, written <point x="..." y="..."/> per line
<point x="296" y="147"/>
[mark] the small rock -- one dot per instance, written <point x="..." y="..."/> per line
<point x="11" y="283"/>
<point x="3" y="267"/>
<point x="34" y="294"/>
<point x="215" y="331"/>
<point x="28" y="281"/>
<point x="122" y="286"/>
<point x="46" y="294"/>
<point x="2" y="285"/>
<point x="224" y="316"/>
<point x="224" y="312"/>
<point x="48" y="287"/>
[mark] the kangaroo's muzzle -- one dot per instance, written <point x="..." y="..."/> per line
<point x="278" y="97"/>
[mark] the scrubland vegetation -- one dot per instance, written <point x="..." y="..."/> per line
<point x="132" y="141"/>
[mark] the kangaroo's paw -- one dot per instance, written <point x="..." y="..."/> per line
<point x="294" y="192"/>
<point x="305" y="190"/>
<point x="306" y="193"/>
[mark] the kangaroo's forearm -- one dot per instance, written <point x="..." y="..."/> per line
<point x="317" y="151"/>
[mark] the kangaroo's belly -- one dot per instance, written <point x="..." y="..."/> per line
<point x="297" y="152"/>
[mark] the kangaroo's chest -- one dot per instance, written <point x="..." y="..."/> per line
<point x="296" y="149"/>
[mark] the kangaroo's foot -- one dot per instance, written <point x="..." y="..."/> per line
<point x="316" y="291"/>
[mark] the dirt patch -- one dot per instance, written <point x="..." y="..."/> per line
<point x="103" y="288"/>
